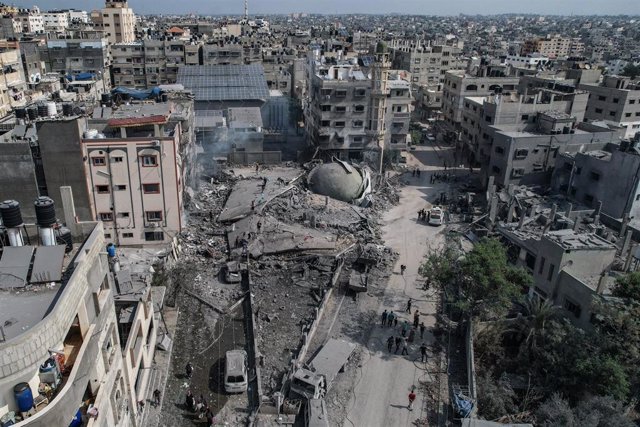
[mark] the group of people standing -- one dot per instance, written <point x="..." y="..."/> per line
<point x="198" y="405"/>
<point x="407" y="331"/>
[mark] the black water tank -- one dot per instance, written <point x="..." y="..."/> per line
<point x="64" y="237"/>
<point x="67" y="109"/>
<point x="32" y="112"/>
<point x="106" y="99"/>
<point x="21" y="113"/>
<point x="164" y="97"/>
<point x="10" y="213"/>
<point x="45" y="212"/>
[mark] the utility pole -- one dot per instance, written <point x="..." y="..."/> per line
<point x="377" y="106"/>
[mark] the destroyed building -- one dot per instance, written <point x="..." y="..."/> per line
<point x="341" y="181"/>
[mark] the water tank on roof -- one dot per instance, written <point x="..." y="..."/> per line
<point x="10" y="213"/>
<point x="21" y="113"/>
<point x="45" y="212"/>
<point x="106" y="99"/>
<point x="67" y="109"/>
<point x="43" y="110"/>
<point x="91" y="133"/>
<point x="64" y="236"/>
<point x="32" y="112"/>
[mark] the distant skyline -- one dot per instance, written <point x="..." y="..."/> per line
<point x="417" y="7"/>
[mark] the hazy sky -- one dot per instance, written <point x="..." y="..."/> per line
<point x="423" y="7"/>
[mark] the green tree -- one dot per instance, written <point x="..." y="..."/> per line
<point x="480" y="283"/>
<point x="531" y="324"/>
<point x="631" y="70"/>
<point x="555" y="412"/>
<point x="628" y="286"/>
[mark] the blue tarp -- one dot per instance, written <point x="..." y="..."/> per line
<point x="462" y="405"/>
<point x="84" y="76"/>
<point x="137" y="94"/>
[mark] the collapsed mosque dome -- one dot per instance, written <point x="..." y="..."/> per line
<point x="340" y="180"/>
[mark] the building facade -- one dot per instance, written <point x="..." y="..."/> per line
<point x="118" y="22"/>
<point x="12" y="81"/>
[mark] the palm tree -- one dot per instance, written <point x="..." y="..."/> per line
<point x="530" y="326"/>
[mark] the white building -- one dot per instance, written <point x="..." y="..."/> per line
<point x="55" y="21"/>
<point x="118" y="22"/>
<point x="528" y="61"/>
<point x="31" y="21"/>
<point x="78" y="16"/>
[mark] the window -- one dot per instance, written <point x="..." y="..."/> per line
<point x="627" y="114"/>
<point x="517" y="172"/>
<point x="632" y="101"/>
<point x="568" y="166"/>
<point x="495" y="169"/>
<point x="325" y="107"/>
<point x="339" y="124"/>
<point x="341" y="93"/>
<point x="151" y="188"/>
<point x="127" y="235"/>
<point x="550" y="273"/>
<point x="521" y="153"/>
<point x="578" y="170"/>
<point x="98" y="161"/>
<point x="120" y="187"/>
<point x="107" y="235"/>
<point x="602" y="98"/>
<point x="358" y="123"/>
<point x="616" y="100"/>
<point x="153" y="216"/>
<point x="357" y="139"/>
<point x="123" y="215"/>
<point x="599" y="110"/>
<point x="106" y="216"/>
<point x="149" y="161"/>
<point x="117" y="159"/>
<point x="572" y="307"/>
<point x="325" y="123"/>
<point x="102" y="189"/>
<point x="153" y="236"/>
<point x="525" y="117"/>
<point x="358" y="108"/>
<point x="488" y="119"/>
<point x="612" y="113"/>
<point x="499" y="150"/>
<point x="541" y="268"/>
<point x="341" y="109"/>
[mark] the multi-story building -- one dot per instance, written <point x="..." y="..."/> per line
<point x="10" y="27"/>
<point x="616" y="100"/>
<point x="135" y="174"/>
<point x="527" y="154"/>
<point x="118" y="21"/>
<point x="128" y="65"/>
<point x="339" y="110"/>
<point x="12" y="81"/>
<point x="85" y="54"/>
<point x="480" y="113"/>
<point x="610" y="176"/>
<point x="55" y="21"/>
<point x="532" y="60"/>
<point x="78" y="16"/>
<point x="459" y="84"/>
<point x="553" y="46"/>
<point x="67" y="350"/>
<point x="31" y="21"/>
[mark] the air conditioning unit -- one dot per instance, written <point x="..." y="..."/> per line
<point x="153" y="225"/>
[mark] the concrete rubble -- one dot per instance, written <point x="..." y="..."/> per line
<point x="296" y="246"/>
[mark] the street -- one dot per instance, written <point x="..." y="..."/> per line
<point x="385" y="379"/>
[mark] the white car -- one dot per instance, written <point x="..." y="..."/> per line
<point x="235" y="372"/>
<point x="436" y="216"/>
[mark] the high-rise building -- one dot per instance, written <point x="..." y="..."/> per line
<point x="118" y="21"/>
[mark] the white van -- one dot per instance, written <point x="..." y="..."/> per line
<point x="436" y="216"/>
<point x="235" y="372"/>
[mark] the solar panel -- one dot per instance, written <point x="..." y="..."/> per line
<point x="14" y="266"/>
<point x="47" y="264"/>
<point x="224" y="82"/>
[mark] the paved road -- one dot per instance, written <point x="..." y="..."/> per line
<point x="381" y="392"/>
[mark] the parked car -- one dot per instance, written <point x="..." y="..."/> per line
<point x="436" y="216"/>
<point x="232" y="272"/>
<point x="235" y="372"/>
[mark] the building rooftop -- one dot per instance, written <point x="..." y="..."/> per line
<point x="569" y="239"/>
<point x="244" y="117"/>
<point x="30" y="279"/>
<point x="225" y="82"/>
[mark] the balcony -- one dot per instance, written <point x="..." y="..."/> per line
<point x="401" y="115"/>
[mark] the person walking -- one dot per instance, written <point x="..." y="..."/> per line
<point x="405" y="328"/>
<point x="390" y="341"/>
<point x="412" y="398"/>
<point x="412" y="334"/>
<point x="422" y="328"/>
<point x="189" y="370"/>
<point x="390" y="317"/>
<point x="395" y="321"/>
<point x="416" y="318"/>
<point x="408" y="310"/>
<point x="156" y="397"/>
<point x="398" y="341"/>
<point x="418" y="173"/>
<point x="423" y="352"/>
<point x="402" y="269"/>
<point x="189" y="400"/>
<point x="384" y="317"/>
<point x="405" y="348"/>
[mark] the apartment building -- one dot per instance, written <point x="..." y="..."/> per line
<point x="55" y="21"/>
<point x="527" y="154"/>
<point x="459" y="84"/>
<point x="148" y="63"/>
<point x="117" y="20"/>
<point x="339" y="113"/>
<point x="221" y="52"/>
<point x="553" y="47"/>
<point x="480" y="113"/>
<point x="135" y="173"/>
<point x="12" y="81"/>
<point x="428" y="61"/>
<point x="615" y="100"/>
<point x="31" y="21"/>
<point x="83" y="53"/>
<point x="610" y="176"/>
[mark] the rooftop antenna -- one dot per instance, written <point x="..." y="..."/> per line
<point x="246" y="10"/>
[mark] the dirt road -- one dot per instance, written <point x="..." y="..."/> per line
<point x="385" y="379"/>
